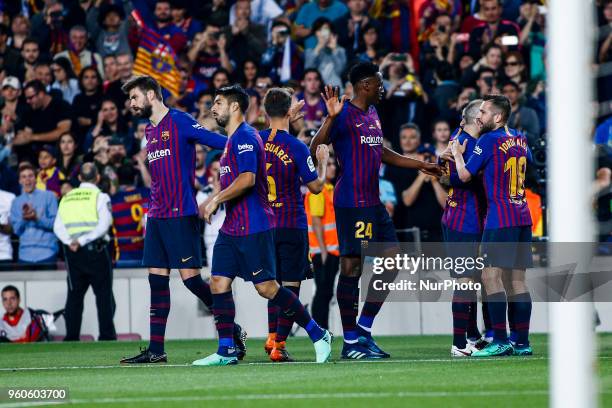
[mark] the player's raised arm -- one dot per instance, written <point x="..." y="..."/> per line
<point x="199" y="134"/>
<point x="316" y="186"/>
<point x="396" y="159"/>
<point x="458" y="150"/>
<point x="334" y="107"/>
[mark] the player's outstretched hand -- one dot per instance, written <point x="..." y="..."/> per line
<point x="295" y="111"/>
<point x="447" y="154"/>
<point x="322" y="153"/>
<point x="432" y="169"/>
<point x="334" y="105"/>
<point x="458" y="148"/>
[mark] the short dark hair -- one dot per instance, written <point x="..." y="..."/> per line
<point x="30" y="40"/>
<point x="484" y="70"/>
<point x="512" y="84"/>
<point x="361" y="71"/>
<point x="235" y="93"/>
<point x="277" y="102"/>
<point x="88" y="172"/>
<point x="126" y="175"/>
<point x="23" y="166"/>
<point x="320" y="22"/>
<point x="313" y="71"/>
<point x="145" y="83"/>
<point x="11" y="288"/>
<point x="412" y="126"/>
<point x="37" y="85"/>
<point x="501" y="103"/>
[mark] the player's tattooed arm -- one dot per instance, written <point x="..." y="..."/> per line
<point x="334" y="105"/>
<point x="316" y="186"/>
<point x="395" y="159"/>
<point x="458" y="150"/>
<point x="239" y="186"/>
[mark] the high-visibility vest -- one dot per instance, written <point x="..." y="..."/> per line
<point x="330" y="235"/>
<point x="78" y="211"/>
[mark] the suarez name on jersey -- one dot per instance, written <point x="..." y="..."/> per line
<point x="358" y="142"/>
<point x="465" y="208"/>
<point x="250" y="213"/>
<point x="171" y="157"/>
<point x="288" y="165"/>
<point x="128" y="209"/>
<point x="502" y="155"/>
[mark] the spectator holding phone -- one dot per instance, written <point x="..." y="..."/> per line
<point x="282" y="59"/>
<point x="32" y="215"/>
<point x="327" y="56"/>
<point x="208" y="53"/>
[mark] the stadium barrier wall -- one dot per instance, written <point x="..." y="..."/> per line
<point x="187" y="320"/>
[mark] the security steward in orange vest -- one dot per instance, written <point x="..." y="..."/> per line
<point x="323" y="242"/>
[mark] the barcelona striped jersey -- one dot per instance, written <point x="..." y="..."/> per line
<point x="357" y="139"/>
<point x="129" y="208"/>
<point x="502" y="155"/>
<point x="251" y="212"/>
<point x="171" y="158"/>
<point x="288" y="165"/>
<point x="465" y="205"/>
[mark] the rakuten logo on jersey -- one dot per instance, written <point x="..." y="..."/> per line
<point x="224" y="170"/>
<point x="371" y="140"/>
<point x="157" y="154"/>
<point x="243" y="148"/>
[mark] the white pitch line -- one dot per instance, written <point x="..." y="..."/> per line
<point x="391" y="361"/>
<point x="280" y="397"/>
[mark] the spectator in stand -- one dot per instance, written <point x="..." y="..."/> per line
<point x="201" y="176"/>
<point x="47" y="119"/>
<point x="69" y="162"/>
<point x="327" y="56"/>
<point x="117" y="154"/>
<point x="491" y="59"/>
<point x="32" y="216"/>
<point x="514" y="69"/>
<point x="108" y="29"/>
<point x="111" y="70"/>
<point x="203" y="104"/>
<point x="440" y="136"/>
<point x="87" y="103"/>
<point x="314" y="106"/>
<point x="43" y="73"/>
<point x="49" y="177"/>
<point x="420" y="198"/>
<point x="160" y="20"/>
<point x="50" y="29"/>
<point x="245" y="39"/>
<point x="263" y="12"/>
<point x="109" y="123"/>
<point x="491" y="27"/>
<point x="14" y="106"/>
<point x="65" y="80"/>
<point x="332" y="10"/>
<point x="208" y="53"/>
<point x="353" y="24"/>
<point x="19" y="325"/>
<point x="282" y="60"/>
<point x="220" y="79"/>
<point x="446" y="90"/>
<point x="30" y="53"/>
<point x="6" y="248"/>
<point x="125" y="63"/>
<point x="371" y="45"/>
<point x="183" y="20"/>
<point x="9" y="57"/>
<point x="20" y="30"/>
<point x="77" y="54"/>
<point x="249" y="73"/>
<point x="487" y="82"/>
<point x="521" y="118"/>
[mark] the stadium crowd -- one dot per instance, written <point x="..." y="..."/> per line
<point x="62" y="65"/>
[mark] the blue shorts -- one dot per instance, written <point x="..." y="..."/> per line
<point x="250" y="257"/>
<point x="173" y="243"/>
<point x="508" y="248"/>
<point x="292" y="260"/>
<point x="462" y="245"/>
<point x="358" y="226"/>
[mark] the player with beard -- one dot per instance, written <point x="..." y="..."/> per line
<point x="245" y="245"/>
<point x="173" y="238"/>
<point x="502" y="155"/>
<point x="354" y="129"/>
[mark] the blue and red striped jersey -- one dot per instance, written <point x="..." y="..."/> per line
<point x="128" y="208"/>
<point x="171" y="157"/>
<point x="288" y="165"/>
<point x="465" y="205"/>
<point x="250" y="213"/>
<point x="357" y="139"/>
<point x="502" y="155"/>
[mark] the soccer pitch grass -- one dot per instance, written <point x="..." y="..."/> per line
<point x="420" y="374"/>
